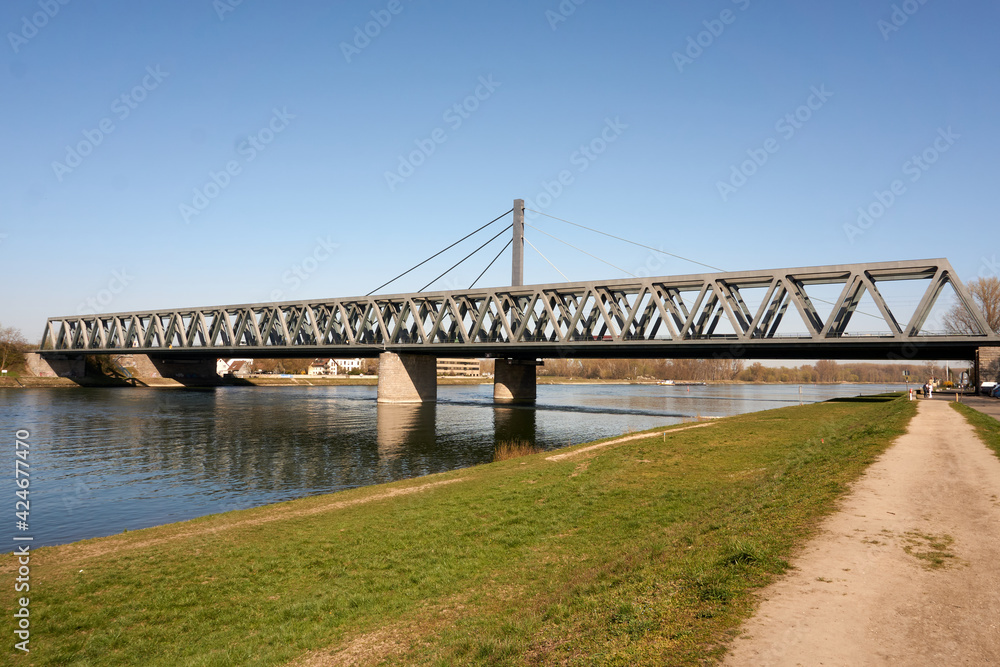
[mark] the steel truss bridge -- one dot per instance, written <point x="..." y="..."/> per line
<point x="691" y="316"/>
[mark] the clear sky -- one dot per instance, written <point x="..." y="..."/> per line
<point x="198" y="153"/>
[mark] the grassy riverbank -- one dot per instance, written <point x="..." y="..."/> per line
<point x="642" y="552"/>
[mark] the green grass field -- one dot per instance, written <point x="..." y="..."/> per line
<point x="641" y="553"/>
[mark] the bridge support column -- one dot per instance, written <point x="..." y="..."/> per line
<point x="987" y="365"/>
<point x="514" y="381"/>
<point x="406" y="378"/>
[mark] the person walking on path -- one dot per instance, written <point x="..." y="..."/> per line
<point x="905" y="572"/>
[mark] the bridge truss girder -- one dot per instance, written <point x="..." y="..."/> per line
<point x="648" y="317"/>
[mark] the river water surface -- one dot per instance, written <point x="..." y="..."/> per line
<point x="106" y="460"/>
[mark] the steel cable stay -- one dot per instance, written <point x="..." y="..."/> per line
<point x="641" y="245"/>
<point x="617" y="268"/>
<point x="547" y="260"/>
<point x="507" y="228"/>
<point x="664" y="252"/>
<point x="440" y="252"/>
<point x="491" y="263"/>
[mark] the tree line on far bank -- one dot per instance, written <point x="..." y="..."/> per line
<point x="737" y="370"/>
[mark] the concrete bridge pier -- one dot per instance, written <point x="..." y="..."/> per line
<point x="407" y="378"/>
<point x="514" y="380"/>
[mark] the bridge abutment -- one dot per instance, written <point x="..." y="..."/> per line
<point x="68" y="366"/>
<point x="514" y="381"/>
<point x="406" y="378"/>
<point x="987" y="366"/>
<point x="185" y="371"/>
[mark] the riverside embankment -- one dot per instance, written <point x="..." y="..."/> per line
<point x="646" y="551"/>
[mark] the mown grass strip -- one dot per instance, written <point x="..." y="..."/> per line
<point x="647" y="552"/>
<point x="987" y="428"/>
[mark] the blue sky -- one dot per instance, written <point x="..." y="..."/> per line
<point x="197" y="153"/>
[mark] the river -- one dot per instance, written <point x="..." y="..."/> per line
<point x="106" y="460"/>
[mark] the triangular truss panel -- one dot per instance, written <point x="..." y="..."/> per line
<point x="944" y="301"/>
<point x="825" y="309"/>
<point x="902" y="297"/>
<point x="866" y="318"/>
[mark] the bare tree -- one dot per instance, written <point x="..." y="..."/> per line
<point x="986" y="293"/>
<point x="12" y="345"/>
<point x="827" y="370"/>
<point x="267" y="365"/>
<point x="756" y="372"/>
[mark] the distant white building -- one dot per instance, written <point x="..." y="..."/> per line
<point x="346" y="365"/>
<point x="459" y="367"/>
<point x="334" y="366"/>
<point x="237" y="367"/>
<point x="320" y="367"/>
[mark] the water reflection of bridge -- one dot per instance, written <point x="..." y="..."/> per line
<point x="412" y="426"/>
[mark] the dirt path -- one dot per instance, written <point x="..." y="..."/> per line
<point x="906" y="573"/>
<point x="618" y="441"/>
